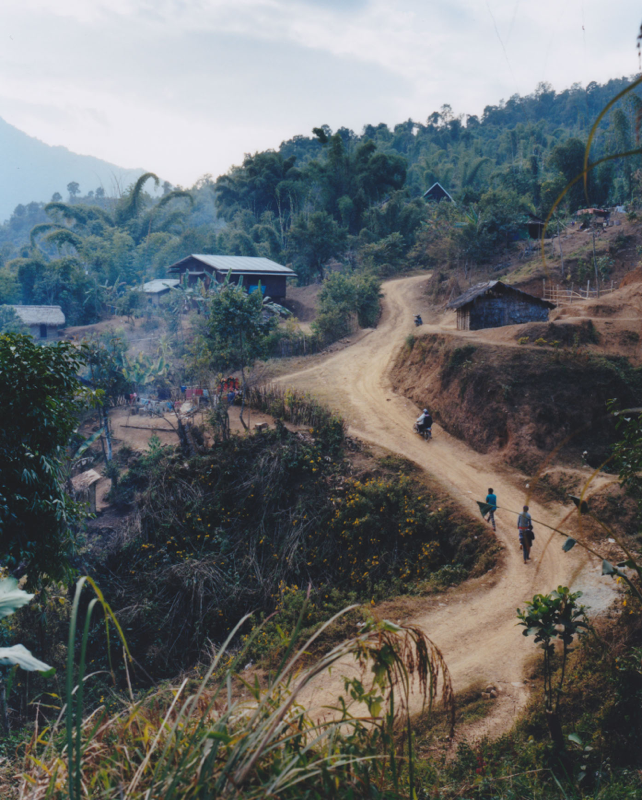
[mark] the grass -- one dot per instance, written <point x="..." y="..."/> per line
<point x="225" y="737"/>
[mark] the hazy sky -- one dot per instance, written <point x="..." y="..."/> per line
<point x="185" y="87"/>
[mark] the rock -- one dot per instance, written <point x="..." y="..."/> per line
<point x="493" y="694"/>
<point x="490" y="688"/>
<point x="485" y="695"/>
<point x="261" y="426"/>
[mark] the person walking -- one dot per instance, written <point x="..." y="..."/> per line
<point x="491" y="500"/>
<point x="525" y="528"/>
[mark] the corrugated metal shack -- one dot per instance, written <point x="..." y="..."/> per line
<point x="494" y="304"/>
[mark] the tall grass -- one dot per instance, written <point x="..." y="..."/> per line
<point x="227" y="737"/>
<point x="296" y="407"/>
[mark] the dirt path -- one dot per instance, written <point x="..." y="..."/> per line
<point x="475" y="625"/>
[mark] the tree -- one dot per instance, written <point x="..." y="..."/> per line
<point x="237" y="331"/>
<point x="56" y="197"/>
<point x="314" y="240"/>
<point x="550" y="618"/>
<point x="107" y="361"/>
<point x="10" y="322"/>
<point x="74" y="189"/>
<point x="41" y="398"/>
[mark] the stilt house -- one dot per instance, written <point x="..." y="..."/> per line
<point x="494" y="304"/>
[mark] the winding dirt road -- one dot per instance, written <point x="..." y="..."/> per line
<point x="475" y="625"/>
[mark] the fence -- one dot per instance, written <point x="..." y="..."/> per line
<point x="561" y="295"/>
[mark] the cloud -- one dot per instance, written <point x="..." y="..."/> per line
<point x="187" y="86"/>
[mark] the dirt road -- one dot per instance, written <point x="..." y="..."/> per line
<point x="475" y="627"/>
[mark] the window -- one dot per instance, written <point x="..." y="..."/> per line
<point x="43" y="331"/>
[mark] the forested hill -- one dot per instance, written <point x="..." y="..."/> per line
<point x="353" y="199"/>
<point x="31" y="170"/>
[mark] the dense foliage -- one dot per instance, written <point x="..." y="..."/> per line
<point x="228" y="530"/>
<point x="41" y="400"/>
<point x="354" y="198"/>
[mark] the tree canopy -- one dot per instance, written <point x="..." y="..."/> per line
<point x="41" y="399"/>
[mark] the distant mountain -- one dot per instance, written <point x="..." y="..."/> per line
<point x="32" y="170"/>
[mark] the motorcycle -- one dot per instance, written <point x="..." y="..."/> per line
<point x="425" y="432"/>
<point x="418" y="320"/>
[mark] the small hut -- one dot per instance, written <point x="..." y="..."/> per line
<point x="157" y="288"/>
<point x="494" y="304"/>
<point x="44" y="322"/>
<point x="85" y="488"/>
<point x="437" y="193"/>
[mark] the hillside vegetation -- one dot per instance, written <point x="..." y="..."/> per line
<point x="331" y="200"/>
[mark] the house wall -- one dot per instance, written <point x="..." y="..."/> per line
<point x="495" y="312"/>
<point x="52" y="333"/>
<point x="274" y="285"/>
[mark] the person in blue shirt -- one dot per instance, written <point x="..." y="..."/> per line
<point x="491" y="500"/>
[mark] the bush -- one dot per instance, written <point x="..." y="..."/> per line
<point x="230" y="530"/>
<point x="344" y="302"/>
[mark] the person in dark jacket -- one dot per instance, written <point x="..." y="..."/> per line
<point x="526" y="535"/>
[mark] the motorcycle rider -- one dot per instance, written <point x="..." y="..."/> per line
<point x="424" y="422"/>
<point x="418" y="320"/>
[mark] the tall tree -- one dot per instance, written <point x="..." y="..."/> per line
<point x="41" y="397"/>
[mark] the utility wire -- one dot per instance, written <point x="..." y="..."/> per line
<point x="500" y="39"/>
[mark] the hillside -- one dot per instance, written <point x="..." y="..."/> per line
<point x="32" y="171"/>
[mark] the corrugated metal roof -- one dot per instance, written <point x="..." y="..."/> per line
<point x="247" y="265"/>
<point x="40" y="315"/>
<point x="159" y="285"/>
<point x="481" y="288"/>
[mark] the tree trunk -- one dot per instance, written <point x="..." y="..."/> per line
<point x="4" y="714"/>
<point x="107" y="433"/>
<point x="557" y="737"/>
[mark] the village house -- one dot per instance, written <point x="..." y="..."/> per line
<point x="156" y="289"/>
<point x="44" y="322"/>
<point x="249" y="270"/>
<point x="494" y="304"/>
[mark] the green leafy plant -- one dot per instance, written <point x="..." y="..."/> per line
<point x="551" y="618"/>
<point x="11" y="599"/>
<point x="223" y="736"/>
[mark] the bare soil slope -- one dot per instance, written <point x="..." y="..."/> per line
<point x="474" y="626"/>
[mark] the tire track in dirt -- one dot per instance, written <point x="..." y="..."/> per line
<point x="476" y="625"/>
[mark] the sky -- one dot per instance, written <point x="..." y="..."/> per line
<point x="187" y="87"/>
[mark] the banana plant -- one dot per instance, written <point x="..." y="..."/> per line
<point x="11" y="599"/>
<point x="142" y="370"/>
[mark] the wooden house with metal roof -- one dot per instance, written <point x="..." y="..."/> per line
<point x="249" y="270"/>
<point x="494" y="304"/>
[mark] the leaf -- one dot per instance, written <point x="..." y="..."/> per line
<point x="574" y="737"/>
<point x="581" y="504"/>
<point x="608" y="568"/>
<point x="569" y="544"/>
<point x="20" y="656"/>
<point x="88" y="443"/>
<point x="11" y="598"/>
